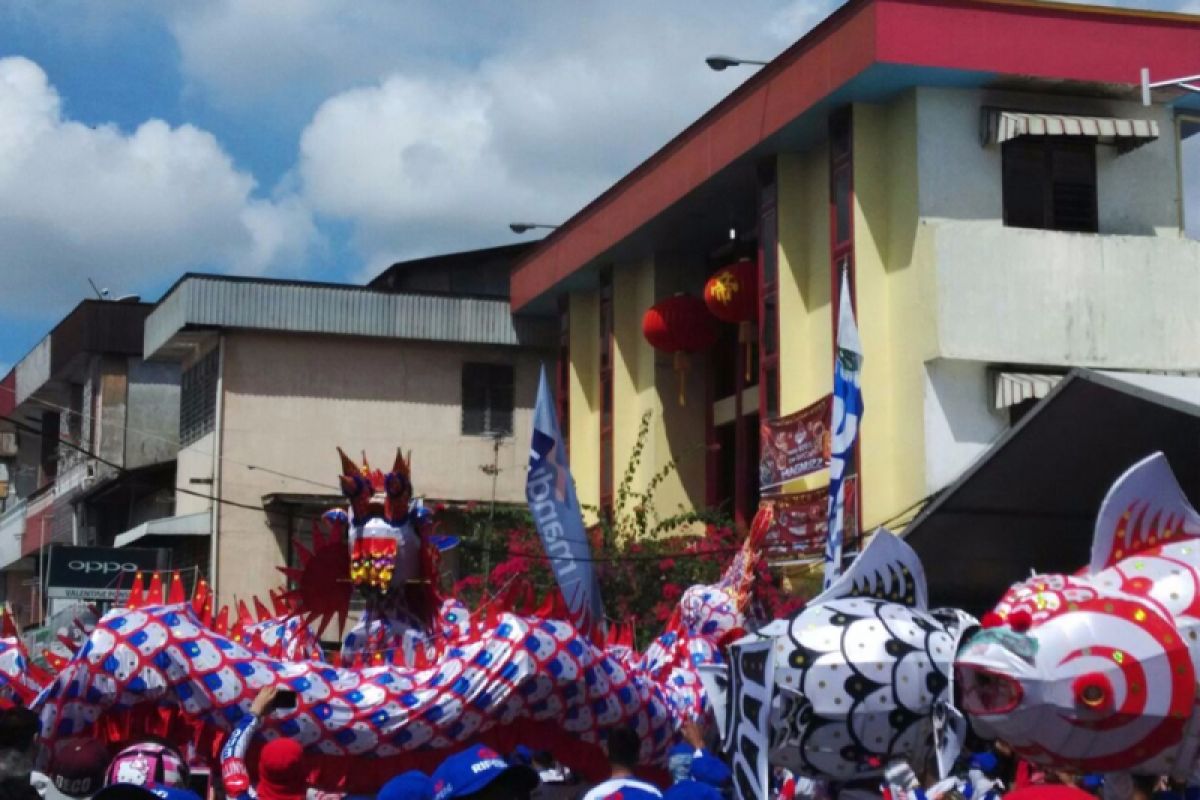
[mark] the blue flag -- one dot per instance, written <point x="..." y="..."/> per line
<point x="847" y="414"/>
<point x="550" y="491"/>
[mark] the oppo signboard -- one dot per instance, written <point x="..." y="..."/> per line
<point x="98" y="573"/>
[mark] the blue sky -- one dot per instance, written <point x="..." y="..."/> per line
<point x="326" y="139"/>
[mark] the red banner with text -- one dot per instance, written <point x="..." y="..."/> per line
<point x="795" y="445"/>
<point x="801" y="523"/>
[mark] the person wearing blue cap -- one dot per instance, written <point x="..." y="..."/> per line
<point x="696" y="773"/>
<point x="411" y="785"/>
<point x="479" y="773"/>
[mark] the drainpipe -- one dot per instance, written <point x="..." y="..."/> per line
<point x="214" y="507"/>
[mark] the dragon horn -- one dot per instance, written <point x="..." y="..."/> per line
<point x="348" y="465"/>
<point x="176" y="594"/>
<point x="401" y="466"/>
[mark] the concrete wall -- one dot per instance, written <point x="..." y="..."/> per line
<point x="111" y="410"/>
<point x="960" y="423"/>
<point x="290" y="400"/>
<point x="194" y="462"/>
<point x="1138" y="192"/>
<point x="1045" y="297"/>
<point x="33" y="370"/>
<point x="152" y="413"/>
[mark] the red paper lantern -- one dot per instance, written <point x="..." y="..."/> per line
<point x="731" y="294"/>
<point x="679" y="324"/>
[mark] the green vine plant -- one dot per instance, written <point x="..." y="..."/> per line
<point x="634" y="516"/>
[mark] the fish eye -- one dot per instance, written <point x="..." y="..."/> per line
<point x="1092" y="691"/>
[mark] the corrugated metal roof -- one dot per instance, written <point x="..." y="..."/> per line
<point x="203" y="301"/>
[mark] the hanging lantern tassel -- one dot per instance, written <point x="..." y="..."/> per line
<point x="681" y="369"/>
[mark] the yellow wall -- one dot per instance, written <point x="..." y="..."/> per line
<point x="896" y="329"/>
<point x="584" y="317"/>
<point x="805" y="333"/>
<point x="895" y="321"/>
<point x="643" y="381"/>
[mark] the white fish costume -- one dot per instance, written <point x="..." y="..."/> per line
<point x="858" y="679"/>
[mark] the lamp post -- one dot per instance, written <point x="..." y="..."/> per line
<point x="719" y="63"/>
<point x="524" y="227"/>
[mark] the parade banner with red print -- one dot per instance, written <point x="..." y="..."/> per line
<point x="801" y="522"/>
<point x="795" y="445"/>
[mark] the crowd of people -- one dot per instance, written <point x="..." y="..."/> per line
<point x="82" y="769"/>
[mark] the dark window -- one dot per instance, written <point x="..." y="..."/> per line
<point x="1050" y="183"/>
<point x="487" y="400"/>
<point x="49" y="446"/>
<point x="198" y="398"/>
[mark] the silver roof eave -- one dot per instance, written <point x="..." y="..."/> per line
<point x="199" y="301"/>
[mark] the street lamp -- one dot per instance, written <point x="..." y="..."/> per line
<point x="523" y="227"/>
<point x="718" y="63"/>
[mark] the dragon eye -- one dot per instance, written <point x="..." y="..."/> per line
<point x="1092" y="691"/>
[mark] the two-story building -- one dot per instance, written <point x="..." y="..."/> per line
<point x="276" y="374"/>
<point x="985" y="174"/>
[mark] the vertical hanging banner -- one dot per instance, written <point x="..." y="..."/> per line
<point x="550" y="491"/>
<point x="795" y="445"/>
<point x="847" y="415"/>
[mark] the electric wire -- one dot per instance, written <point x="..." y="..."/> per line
<point x="505" y="552"/>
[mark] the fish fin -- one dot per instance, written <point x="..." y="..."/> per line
<point x="1145" y="508"/>
<point x="888" y="569"/>
<point x="747" y="741"/>
<point x="715" y="680"/>
<point x="949" y="733"/>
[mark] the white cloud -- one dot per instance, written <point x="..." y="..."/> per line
<point x="247" y="55"/>
<point x="421" y="162"/>
<point x="123" y="208"/>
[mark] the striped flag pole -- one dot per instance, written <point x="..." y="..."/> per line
<point x="847" y="414"/>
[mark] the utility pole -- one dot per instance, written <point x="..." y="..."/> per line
<point x="492" y="470"/>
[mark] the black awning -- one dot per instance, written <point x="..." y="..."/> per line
<point x="1029" y="503"/>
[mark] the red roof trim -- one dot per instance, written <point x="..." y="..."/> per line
<point x="829" y="55"/>
<point x="1054" y="41"/>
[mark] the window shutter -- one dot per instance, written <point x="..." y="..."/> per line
<point x="1073" y="187"/>
<point x="1024" y="183"/>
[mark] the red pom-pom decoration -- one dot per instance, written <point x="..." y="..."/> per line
<point x="991" y="620"/>
<point x="1020" y="620"/>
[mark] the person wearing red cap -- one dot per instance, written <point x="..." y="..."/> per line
<point x="281" y="773"/>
